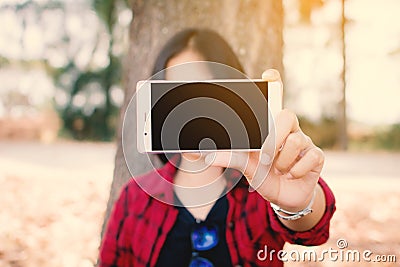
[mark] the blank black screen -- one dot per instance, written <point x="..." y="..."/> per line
<point x="207" y="116"/>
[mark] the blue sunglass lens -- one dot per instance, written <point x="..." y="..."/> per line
<point x="200" y="262"/>
<point x="204" y="237"/>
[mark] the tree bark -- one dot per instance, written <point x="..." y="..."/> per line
<point x="342" y="120"/>
<point x="252" y="27"/>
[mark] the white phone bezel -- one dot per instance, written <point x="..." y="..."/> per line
<point x="143" y="111"/>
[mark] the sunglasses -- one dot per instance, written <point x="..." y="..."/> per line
<point x="204" y="237"/>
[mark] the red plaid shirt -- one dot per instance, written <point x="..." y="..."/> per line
<point x="139" y="224"/>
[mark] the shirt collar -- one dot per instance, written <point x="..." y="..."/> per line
<point x="159" y="183"/>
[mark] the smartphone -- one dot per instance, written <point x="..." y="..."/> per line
<point x="193" y="116"/>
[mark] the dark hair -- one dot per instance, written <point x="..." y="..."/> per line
<point x="209" y="44"/>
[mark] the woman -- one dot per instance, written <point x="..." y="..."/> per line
<point x="235" y="228"/>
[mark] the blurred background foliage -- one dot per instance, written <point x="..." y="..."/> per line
<point x="68" y="56"/>
<point x="78" y="45"/>
<point x="96" y="121"/>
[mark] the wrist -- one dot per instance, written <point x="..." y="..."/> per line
<point x="295" y="213"/>
<point x="298" y="205"/>
<point x="308" y="222"/>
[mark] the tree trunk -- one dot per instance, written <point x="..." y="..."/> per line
<point x="342" y="121"/>
<point x="252" y="27"/>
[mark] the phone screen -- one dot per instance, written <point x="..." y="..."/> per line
<point x="209" y="115"/>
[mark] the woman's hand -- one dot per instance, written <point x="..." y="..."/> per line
<point x="287" y="170"/>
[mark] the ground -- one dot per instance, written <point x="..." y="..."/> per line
<point x="53" y="198"/>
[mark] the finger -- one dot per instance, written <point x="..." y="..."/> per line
<point x="290" y="152"/>
<point x="235" y="160"/>
<point x="312" y="161"/>
<point x="258" y="177"/>
<point x="271" y="75"/>
<point x="285" y="123"/>
<point x="268" y="149"/>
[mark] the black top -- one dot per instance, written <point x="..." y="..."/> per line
<point x="177" y="249"/>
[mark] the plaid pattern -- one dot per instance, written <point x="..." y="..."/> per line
<point x="139" y="224"/>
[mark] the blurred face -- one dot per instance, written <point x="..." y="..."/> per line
<point x="195" y="72"/>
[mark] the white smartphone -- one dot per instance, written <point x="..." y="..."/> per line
<point x="192" y="116"/>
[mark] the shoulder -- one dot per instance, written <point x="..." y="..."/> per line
<point x="132" y="195"/>
<point x="140" y="190"/>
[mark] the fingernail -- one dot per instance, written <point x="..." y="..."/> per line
<point x="265" y="159"/>
<point x="251" y="189"/>
<point x="270" y="74"/>
<point x="209" y="159"/>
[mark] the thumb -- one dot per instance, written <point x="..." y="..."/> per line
<point x="271" y="75"/>
<point x="228" y="159"/>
